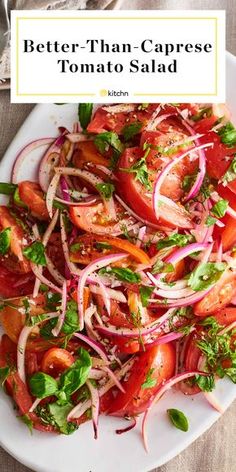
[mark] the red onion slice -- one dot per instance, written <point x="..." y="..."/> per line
<point x="95" y="406"/>
<point x="20" y="159"/>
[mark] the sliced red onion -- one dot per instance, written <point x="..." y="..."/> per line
<point x="38" y="273"/>
<point x="113" y="376"/>
<point x="77" y="137"/>
<point x="131" y="426"/>
<point x="50" y="160"/>
<point x="54" y="272"/>
<point x="140" y="237"/>
<point x="20" y="158"/>
<point x="72" y="267"/>
<point x="219" y="252"/>
<point x="166" y="386"/>
<point x="89" y="201"/>
<point x="79" y="409"/>
<point x="212" y="400"/>
<point x="126" y="332"/>
<point x="206" y="254"/>
<point x="61" y="318"/>
<point x="175" y="294"/>
<point x="228" y="328"/>
<point x="113" y="294"/>
<point x="64" y="189"/>
<point x="185" y="141"/>
<point x="36" y="402"/>
<point x="95" y="345"/>
<point x="22" y="341"/>
<point x="167" y="338"/>
<point x="202" y="167"/>
<point x="37" y="283"/>
<point x="50" y="228"/>
<point x="182" y="301"/>
<point x="151" y="123"/>
<point x="163" y="174"/>
<point x="51" y="193"/>
<point x="95" y="401"/>
<point x="85" y="273"/>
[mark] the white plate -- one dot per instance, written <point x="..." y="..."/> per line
<point x="47" y="453"/>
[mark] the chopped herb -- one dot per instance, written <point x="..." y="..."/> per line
<point x="205" y="382"/>
<point x="106" y="190"/>
<point x="85" y="113"/>
<point x="103" y="140"/>
<point x="42" y="385"/>
<point x="210" y="221"/>
<point x="33" y="320"/>
<point x="149" y="381"/>
<point x="52" y="300"/>
<point x="220" y="208"/>
<point x="43" y="288"/>
<point x="204" y="112"/>
<point x="7" y="189"/>
<point x="143" y="106"/>
<point x="145" y="293"/>
<point x="140" y="170"/>
<point x="205" y="275"/>
<point x="102" y="245"/>
<point x="175" y="239"/>
<point x="5" y="240"/>
<point x="59" y="415"/>
<point x="27" y="421"/>
<point x="75" y="247"/>
<point x="4" y="372"/>
<point x="178" y="419"/>
<point x="161" y="266"/>
<point x="123" y="274"/>
<point x="188" y="181"/>
<point x="228" y="134"/>
<point x="17" y="199"/>
<point x="35" y="253"/>
<point x="129" y="131"/>
<point x="230" y="174"/>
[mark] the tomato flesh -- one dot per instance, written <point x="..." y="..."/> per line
<point x="32" y="195"/>
<point x="56" y="360"/>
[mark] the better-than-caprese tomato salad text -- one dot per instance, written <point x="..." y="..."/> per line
<point x="117" y="267"/>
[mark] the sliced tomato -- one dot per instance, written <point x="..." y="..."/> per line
<point x="135" y="194"/>
<point x="87" y="154"/>
<point x="94" y="219"/>
<point x="15" y="285"/>
<point x="158" y="363"/>
<point x="33" y="197"/>
<point x="219" y="296"/>
<point x="17" y="236"/>
<point x="56" y="360"/>
<point x="105" y="121"/>
<point x="226" y="316"/>
<point x="55" y="252"/>
<point x="90" y="247"/>
<point x="191" y="360"/>
<point x="12" y="316"/>
<point x="218" y="157"/>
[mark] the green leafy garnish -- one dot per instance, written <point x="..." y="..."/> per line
<point x="17" y="199"/>
<point x="205" y="275"/>
<point x="4" y="372"/>
<point x="145" y="293"/>
<point x="230" y="174"/>
<point x="85" y="113"/>
<point x="27" y="421"/>
<point x="210" y="221"/>
<point x="220" y="208"/>
<point x="178" y="419"/>
<point x="75" y="247"/>
<point x="7" y="189"/>
<point x="175" y="239"/>
<point x="205" y="382"/>
<point x="161" y="266"/>
<point x="228" y="134"/>
<point x="106" y="190"/>
<point x="58" y="415"/>
<point x="129" y="131"/>
<point x="35" y="253"/>
<point x="42" y="385"/>
<point x="71" y="324"/>
<point x="123" y="274"/>
<point x="204" y="112"/>
<point x="74" y="377"/>
<point x="102" y="245"/>
<point x="5" y="240"/>
<point x="140" y="170"/>
<point x="149" y="381"/>
<point x="103" y="140"/>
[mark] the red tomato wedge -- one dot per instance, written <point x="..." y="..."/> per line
<point x="56" y="360"/>
<point x="94" y="219"/>
<point x="32" y="195"/>
<point x="156" y="365"/>
<point x="139" y="199"/>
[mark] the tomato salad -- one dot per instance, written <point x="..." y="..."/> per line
<point x="117" y="267"/>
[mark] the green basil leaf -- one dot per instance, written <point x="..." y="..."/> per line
<point x="205" y="275"/>
<point x="175" y="239"/>
<point x="103" y="140"/>
<point x="5" y="240"/>
<point x="230" y="174"/>
<point x="74" y="377"/>
<point x="35" y="253"/>
<point x="145" y="293"/>
<point x="125" y="275"/>
<point x="129" y="131"/>
<point x="210" y="221"/>
<point x="85" y="113"/>
<point x="7" y="189"/>
<point x="106" y="190"/>
<point x="220" y="208"/>
<point x="205" y="382"/>
<point x="58" y="416"/>
<point x="42" y="385"/>
<point x="228" y="134"/>
<point x="71" y="324"/>
<point x="178" y="419"/>
<point x="149" y="381"/>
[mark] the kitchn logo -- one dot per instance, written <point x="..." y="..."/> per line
<point x="113" y="93"/>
